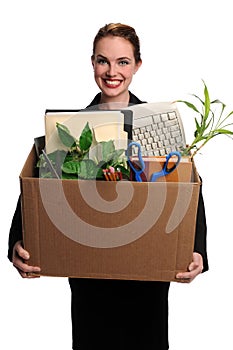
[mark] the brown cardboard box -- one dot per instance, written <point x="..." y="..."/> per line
<point x="101" y="229"/>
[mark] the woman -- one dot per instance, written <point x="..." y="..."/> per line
<point x="114" y="314"/>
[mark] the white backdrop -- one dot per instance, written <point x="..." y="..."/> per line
<point x="45" y="63"/>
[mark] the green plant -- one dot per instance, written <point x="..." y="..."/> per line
<point x="84" y="158"/>
<point x="208" y="124"/>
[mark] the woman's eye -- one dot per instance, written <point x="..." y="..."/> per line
<point x="123" y="63"/>
<point x="101" y="61"/>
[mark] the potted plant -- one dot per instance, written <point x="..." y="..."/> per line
<point x="84" y="158"/>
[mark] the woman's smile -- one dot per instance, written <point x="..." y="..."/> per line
<point x="112" y="83"/>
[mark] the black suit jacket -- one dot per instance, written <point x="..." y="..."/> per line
<point x="201" y="228"/>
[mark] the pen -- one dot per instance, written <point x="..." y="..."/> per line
<point x="119" y="174"/>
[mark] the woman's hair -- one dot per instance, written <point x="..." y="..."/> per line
<point x="120" y="30"/>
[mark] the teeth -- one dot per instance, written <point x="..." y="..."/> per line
<point x="111" y="82"/>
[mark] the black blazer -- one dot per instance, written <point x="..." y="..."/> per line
<point x="201" y="228"/>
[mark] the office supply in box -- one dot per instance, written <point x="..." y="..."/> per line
<point x="153" y="164"/>
<point x="167" y="168"/>
<point x="158" y="127"/>
<point x="108" y="229"/>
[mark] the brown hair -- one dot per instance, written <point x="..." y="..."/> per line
<point x="123" y="31"/>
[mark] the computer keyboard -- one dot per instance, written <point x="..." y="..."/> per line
<point x="158" y="133"/>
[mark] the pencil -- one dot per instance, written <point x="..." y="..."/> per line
<point x="112" y="173"/>
<point x="105" y="174"/>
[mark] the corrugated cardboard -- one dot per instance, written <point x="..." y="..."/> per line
<point x="100" y="229"/>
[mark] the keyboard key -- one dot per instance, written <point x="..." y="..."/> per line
<point x="154" y="145"/>
<point x="175" y="133"/>
<point x="164" y="117"/>
<point x="170" y="123"/>
<point x="149" y="128"/>
<point x="160" y="144"/>
<point x="140" y="136"/>
<point x="162" y="152"/>
<point x="172" y="115"/>
<point x="141" y="122"/>
<point x="162" y="137"/>
<point x="150" y="140"/>
<point x="143" y="142"/>
<point x="156" y="118"/>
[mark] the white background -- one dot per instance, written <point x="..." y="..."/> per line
<point x="45" y="63"/>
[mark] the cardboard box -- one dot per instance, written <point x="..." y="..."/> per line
<point x="114" y="230"/>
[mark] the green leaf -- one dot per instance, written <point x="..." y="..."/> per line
<point x="223" y="131"/>
<point x="115" y="156"/>
<point x="197" y="97"/>
<point x="190" y="105"/>
<point x="58" y="155"/>
<point x="71" y="167"/>
<point x="88" y="169"/>
<point x="66" y="138"/>
<point x="106" y="149"/>
<point x="218" y="101"/>
<point x="99" y="174"/>
<point x="69" y="176"/>
<point x="198" y="128"/>
<point x="207" y="102"/>
<point x="85" y="139"/>
<point x="229" y="114"/>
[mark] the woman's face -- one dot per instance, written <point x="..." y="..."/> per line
<point x="114" y="65"/>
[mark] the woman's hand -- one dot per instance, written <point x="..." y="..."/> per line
<point x="19" y="260"/>
<point x="195" y="268"/>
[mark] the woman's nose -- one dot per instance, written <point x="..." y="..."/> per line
<point x="111" y="72"/>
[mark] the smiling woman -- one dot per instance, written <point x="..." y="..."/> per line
<point x="106" y="313"/>
<point x="116" y="58"/>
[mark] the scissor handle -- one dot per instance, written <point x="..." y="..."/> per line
<point x="165" y="171"/>
<point x="168" y="157"/>
<point x="137" y="172"/>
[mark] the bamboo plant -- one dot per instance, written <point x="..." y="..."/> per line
<point x="209" y="122"/>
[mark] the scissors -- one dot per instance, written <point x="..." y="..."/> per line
<point x="165" y="171"/>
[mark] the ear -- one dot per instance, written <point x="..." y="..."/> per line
<point x="92" y="60"/>
<point x="137" y="66"/>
